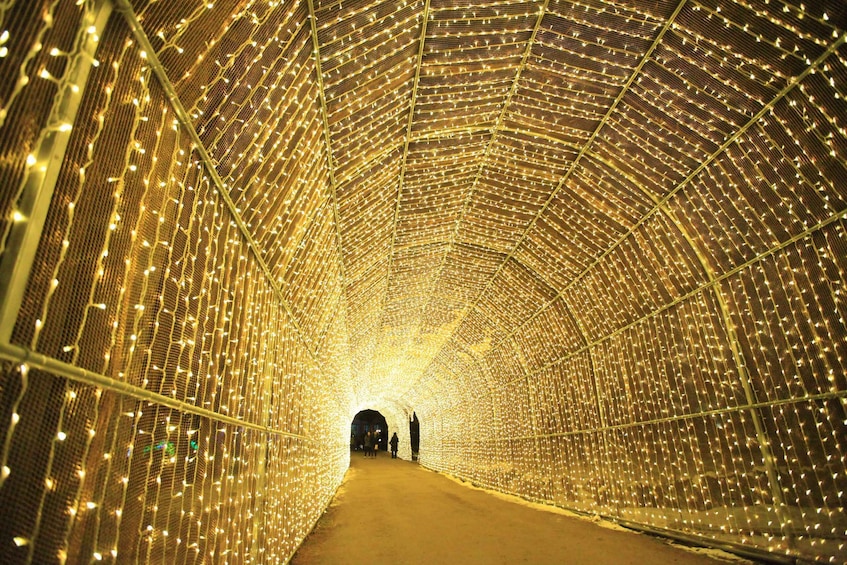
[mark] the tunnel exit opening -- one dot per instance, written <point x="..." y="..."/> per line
<point x="369" y="422"/>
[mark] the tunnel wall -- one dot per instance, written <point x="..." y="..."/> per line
<point x="691" y="379"/>
<point x="650" y="424"/>
<point x="160" y="401"/>
<point x="694" y="380"/>
<point x="165" y="380"/>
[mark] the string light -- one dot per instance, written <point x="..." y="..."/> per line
<point x="597" y="250"/>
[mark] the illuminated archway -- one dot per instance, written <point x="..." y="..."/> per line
<point x="605" y="272"/>
<point x="369" y="421"/>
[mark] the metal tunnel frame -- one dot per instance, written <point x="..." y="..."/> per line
<point x="303" y="439"/>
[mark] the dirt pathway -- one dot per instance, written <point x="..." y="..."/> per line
<point x="390" y="511"/>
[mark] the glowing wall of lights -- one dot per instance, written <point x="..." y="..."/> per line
<point x="143" y="275"/>
<point x="596" y="248"/>
<point x="651" y="300"/>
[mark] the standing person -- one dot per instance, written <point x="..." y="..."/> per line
<point x="393" y="442"/>
<point x="376" y="444"/>
<point x="368" y="440"/>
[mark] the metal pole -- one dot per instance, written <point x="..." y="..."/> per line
<point x="43" y="166"/>
<point x="37" y="360"/>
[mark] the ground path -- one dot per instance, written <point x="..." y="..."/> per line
<point x="390" y="511"/>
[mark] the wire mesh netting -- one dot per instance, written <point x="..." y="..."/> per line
<point x="597" y="247"/>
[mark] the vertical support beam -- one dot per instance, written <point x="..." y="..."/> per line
<point x="734" y="344"/>
<point x="36" y="190"/>
<point x="755" y="416"/>
<point x="531" y="394"/>
<point x="741" y="371"/>
<point x="732" y="336"/>
<point x="601" y="412"/>
<point x="330" y="164"/>
<point x="125" y="8"/>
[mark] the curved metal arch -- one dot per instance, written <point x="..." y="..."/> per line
<point x="586" y="146"/>
<point x="726" y="317"/>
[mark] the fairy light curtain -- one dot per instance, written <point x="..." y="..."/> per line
<point x="597" y="247"/>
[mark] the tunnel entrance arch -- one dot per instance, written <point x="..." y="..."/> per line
<point x="368" y="421"/>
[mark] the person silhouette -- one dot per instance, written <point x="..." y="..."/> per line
<point x="393" y="443"/>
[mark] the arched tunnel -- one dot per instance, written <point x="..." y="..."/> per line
<point x="598" y="247"/>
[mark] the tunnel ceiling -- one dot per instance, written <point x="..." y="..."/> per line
<point x="437" y="176"/>
<point x="598" y="248"/>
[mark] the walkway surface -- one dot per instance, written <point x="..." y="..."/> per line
<point x="390" y="511"/>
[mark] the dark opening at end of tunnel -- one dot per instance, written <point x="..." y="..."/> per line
<point x="369" y="427"/>
<point x="374" y="423"/>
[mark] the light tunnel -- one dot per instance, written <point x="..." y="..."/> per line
<point x="597" y="246"/>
